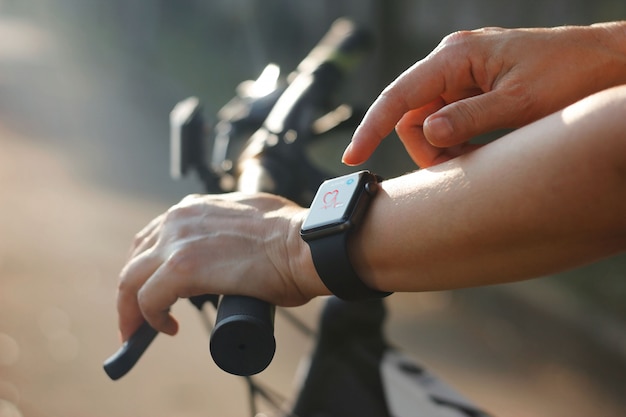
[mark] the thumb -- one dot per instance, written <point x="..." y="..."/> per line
<point x="462" y="120"/>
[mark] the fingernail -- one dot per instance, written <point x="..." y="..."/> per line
<point x="438" y="128"/>
<point x="170" y="327"/>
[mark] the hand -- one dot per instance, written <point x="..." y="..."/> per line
<point x="479" y="81"/>
<point x="227" y="244"/>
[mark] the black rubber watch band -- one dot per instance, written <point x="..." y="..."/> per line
<point x="334" y="267"/>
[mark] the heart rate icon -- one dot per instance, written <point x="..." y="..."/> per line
<point x="330" y="199"/>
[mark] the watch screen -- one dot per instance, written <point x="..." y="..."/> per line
<point x="332" y="201"/>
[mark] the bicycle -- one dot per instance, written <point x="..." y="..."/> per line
<point x="353" y="369"/>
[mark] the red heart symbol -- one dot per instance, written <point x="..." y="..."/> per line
<point x="330" y="198"/>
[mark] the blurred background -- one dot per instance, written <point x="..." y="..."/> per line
<point x="86" y="87"/>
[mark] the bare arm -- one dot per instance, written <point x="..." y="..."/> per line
<point x="550" y="196"/>
<point x="547" y="197"/>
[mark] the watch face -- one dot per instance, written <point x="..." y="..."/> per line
<point x="332" y="202"/>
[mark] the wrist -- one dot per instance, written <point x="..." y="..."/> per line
<point x="613" y="33"/>
<point x="301" y="266"/>
<point x="338" y="209"/>
<point x="370" y="258"/>
<point x="612" y="36"/>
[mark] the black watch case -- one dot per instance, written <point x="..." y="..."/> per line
<point x="339" y="204"/>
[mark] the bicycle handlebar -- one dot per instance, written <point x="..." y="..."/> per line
<point x="274" y="161"/>
<point x="274" y="153"/>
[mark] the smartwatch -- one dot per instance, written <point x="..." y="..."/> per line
<point x="338" y="208"/>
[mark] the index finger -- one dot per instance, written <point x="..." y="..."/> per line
<point x="132" y="278"/>
<point x="416" y="87"/>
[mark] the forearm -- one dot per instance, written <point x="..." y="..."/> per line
<point x="547" y="197"/>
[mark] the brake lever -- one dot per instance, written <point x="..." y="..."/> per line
<point x="127" y="356"/>
<point x="122" y="361"/>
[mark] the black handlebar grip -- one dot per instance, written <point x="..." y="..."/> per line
<point x="242" y="342"/>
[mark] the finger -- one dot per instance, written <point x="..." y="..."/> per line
<point x="416" y="87"/>
<point x="425" y="154"/>
<point x="462" y="120"/>
<point x="421" y="151"/>
<point x="410" y="131"/>
<point x="146" y="238"/>
<point x="184" y="274"/>
<point x="132" y="278"/>
<point x="161" y="291"/>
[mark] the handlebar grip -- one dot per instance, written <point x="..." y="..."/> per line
<point x="242" y="342"/>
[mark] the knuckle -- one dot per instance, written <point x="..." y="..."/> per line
<point x="407" y="129"/>
<point x="137" y="240"/>
<point x="468" y="111"/>
<point x="522" y="91"/>
<point x="457" y="36"/>
<point x="453" y="52"/>
<point x="124" y="284"/>
<point x="402" y="129"/>
<point x="523" y="99"/>
<point x="150" y="311"/>
<point x="467" y="37"/>
<point x="456" y="40"/>
<point x="465" y="44"/>
<point x="183" y="261"/>
<point x="184" y="208"/>
<point x="143" y="299"/>
<point x="176" y="212"/>
<point x="190" y="198"/>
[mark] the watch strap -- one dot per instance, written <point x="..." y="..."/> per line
<point x="330" y="255"/>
